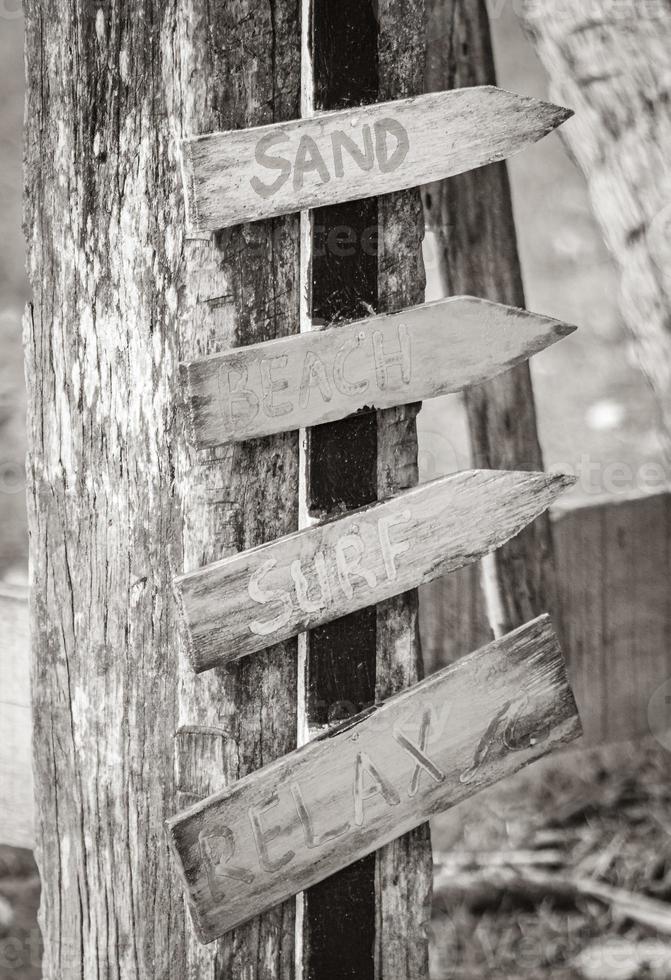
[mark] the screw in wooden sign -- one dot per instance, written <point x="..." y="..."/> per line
<point x="283" y="828"/>
<point x="325" y="375"/>
<point x="252" y="600"/>
<point x="332" y="157"/>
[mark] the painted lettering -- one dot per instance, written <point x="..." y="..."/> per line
<point x="391" y="551"/>
<point x="387" y="161"/>
<point x="364" y="159"/>
<point x="309" y="160"/>
<point x="263" y="596"/>
<point x="387" y="142"/>
<point x="418" y="752"/>
<point x="242" y="403"/>
<point x="351" y="565"/>
<point x="302" y="587"/>
<point x="263" y="158"/>
<point x="217" y="852"/>
<point x="343" y="384"/>
<point x="264" y="836"/>
<point x="314" y="376"/>
<point x="399" y="358"/>
<point x="369" y="782"/>
<point x="313" y="840"/>
<point x="485" y="745"/>
<point x="272" y="385"/>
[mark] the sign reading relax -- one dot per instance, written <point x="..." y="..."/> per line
<point x="245" y="175"/>
<point x="325" y="375"/>
<point x="252" y="600"/>
<point x="306" y="816"/>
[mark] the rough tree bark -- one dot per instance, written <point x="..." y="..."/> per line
<point x="117" y="501"/>
<point x="611" y="62"/>
<point x="472" y="218"/>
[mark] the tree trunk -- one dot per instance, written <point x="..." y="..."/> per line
<point x="118" y="503"/>
<point x="612" y="64"/>
<point x="472" y="218"/>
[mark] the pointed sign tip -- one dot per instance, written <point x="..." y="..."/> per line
<point x="562" y="482"/>
<point x="564" y="329"/>
<point x="559" y="114"/>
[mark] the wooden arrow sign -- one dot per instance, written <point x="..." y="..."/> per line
<point x="257" y="598"/>
<point x="313" y="812"/>
<point x="244" y="175"/>
<point x="324" y="375"/>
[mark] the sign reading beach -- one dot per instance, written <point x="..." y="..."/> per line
<point x="325" y="375"/>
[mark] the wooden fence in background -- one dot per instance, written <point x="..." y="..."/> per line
<point x="614" y="569"/>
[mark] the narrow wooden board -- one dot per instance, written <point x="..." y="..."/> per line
<point x="380" y="362"/>
<point x="306" y="816"/>
<point x="244" y="175"/>
<point x="255" y="599"/>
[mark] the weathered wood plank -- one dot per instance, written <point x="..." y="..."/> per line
<point x="240" y="176"/>
<point x="325" y="572"/>
<point x="344" y="795"/>
<point x="16" y="784"/>
<point x="389" y="360"/>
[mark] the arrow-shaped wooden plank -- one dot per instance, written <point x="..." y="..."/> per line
<point x="244" y="175"/>
<point x="306" y="816"/>
<point x="310" y="378"/>
<point x="252" y="600"/>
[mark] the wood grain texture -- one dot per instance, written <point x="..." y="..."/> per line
<point x="322" y="376"/>
<point x="244" y="603"/>
<point x="118" y="500"/>
<point x="613" y="67"/>
<point x="340" y="797"/>
<point x="471" y="215"/>
<point x="240" y="66"/>
<point x="16" y="784"/>
<point x="236" y="177"/>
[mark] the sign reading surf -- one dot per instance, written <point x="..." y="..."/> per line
<point x="252" y="600"/>
<point x="324" y="375"/>
<point x="245" y="175"/>
<point x="313" y="812"/>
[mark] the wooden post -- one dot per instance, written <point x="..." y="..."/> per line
<point x="369" y="920"/>
<point x="118" y="504"/>
<point x="472" y="218"/>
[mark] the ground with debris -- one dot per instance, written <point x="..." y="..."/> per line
<point x="562" y="872"/>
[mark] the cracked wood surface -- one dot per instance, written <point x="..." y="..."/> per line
<point x="336" y="799"/>
<point x="118" y="502"/>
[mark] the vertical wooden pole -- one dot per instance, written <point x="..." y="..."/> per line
<point x="472" y="217"/>
<point x="118" y="503"/>
<point x="369" y="920"/>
